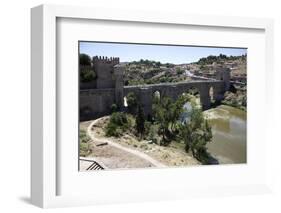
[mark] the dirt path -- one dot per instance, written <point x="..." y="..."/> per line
<point x="113" y="155"/>
<point x="129" y="157"/>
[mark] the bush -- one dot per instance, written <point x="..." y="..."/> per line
<point x="114" y="108"/>
<point x="113" y="130"/>
<point x="152" y="131"/>
<point x="179" y="71"/>
<point x="84" y="138"/>
<point x="87" y="75"/>
<point x="132" y="102"/>
<point x="118" y="124"/>
<point x="84" y="147"/>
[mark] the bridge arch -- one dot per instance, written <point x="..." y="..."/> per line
<point x="194" y="91"/>
<point x="211" y="94"/>
<point x="156" y="95"/>
<point x="125" y="103"/>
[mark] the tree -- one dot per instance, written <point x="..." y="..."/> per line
<point x="84" y="59"/>
<point x="87" y="75"/>
<point x="163" y="115"/>
<point x="166" y="114"/>
<point x="196" y="133"/>
<point x="140" y="120"/>
<point x="132" y="102"/>
<point x="176" y="110"/>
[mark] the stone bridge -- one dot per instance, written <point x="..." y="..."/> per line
<point x="145" y="93"/>
<point x="97" y="102"/>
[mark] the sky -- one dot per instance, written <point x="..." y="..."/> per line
<point x="162" y="53"/>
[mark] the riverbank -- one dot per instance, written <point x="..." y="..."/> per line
<point x="229" y="127"/>
<point x="237" y="99"/>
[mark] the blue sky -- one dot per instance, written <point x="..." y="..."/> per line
<point x="162" y="53"/>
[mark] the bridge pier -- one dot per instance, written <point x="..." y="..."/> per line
<point x="218" y="94"/>
<point x="145" y="98"/>
<point x="205" y="98"/>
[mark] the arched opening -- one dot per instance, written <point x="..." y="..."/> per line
<point x="130" y="102"/>
<point x="194" y="95"/>
<point x="192" y="99"/>
<point x="211" y="94"/>
<point x="156" y="96"/>
<point x="125" y="104"/>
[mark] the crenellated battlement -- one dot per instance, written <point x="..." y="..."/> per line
<point x="104" y="68"/>
<point x="106" y="60"/>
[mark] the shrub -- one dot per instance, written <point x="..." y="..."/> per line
<point x="113" y="108"/>
<point x="84" y="138"/>
<point x="132" y="102"/>
<point x="84" y="147"/>
<point x="113" y="130"/>
<point x="87" y="75"/>
<point x="118" y="124"/>
<point x="152" y="132"/>
<point x="179" y="71"/>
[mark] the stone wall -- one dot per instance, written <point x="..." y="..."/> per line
<point x="95" y="103"/>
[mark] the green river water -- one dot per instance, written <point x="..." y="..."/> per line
<point x="229" y="126"/>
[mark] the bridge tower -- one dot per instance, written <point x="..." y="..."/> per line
<point x="223" y="74"/>
<point x="104" y="68"/>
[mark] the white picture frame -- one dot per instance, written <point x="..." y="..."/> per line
<point x="44" y="149"/>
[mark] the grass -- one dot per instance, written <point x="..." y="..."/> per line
<point x="84" y="143"/>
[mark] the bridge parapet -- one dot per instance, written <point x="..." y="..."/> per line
<point x="174" y="90"/>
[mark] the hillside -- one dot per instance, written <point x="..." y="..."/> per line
<point x="153" y="72"/>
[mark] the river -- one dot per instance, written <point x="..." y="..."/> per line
<point x="229" y="127"/>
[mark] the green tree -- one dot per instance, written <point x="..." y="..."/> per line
<point x="84" y="59"/>
<point x="162" y="115"/>
<point x="140" y="120"/>
<point x="166" y="114"/>
<point x="132" y="102"/>
<point x="87" y="75"/>
<point x="196" y="133"/>
<point x="176" y="109"/>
